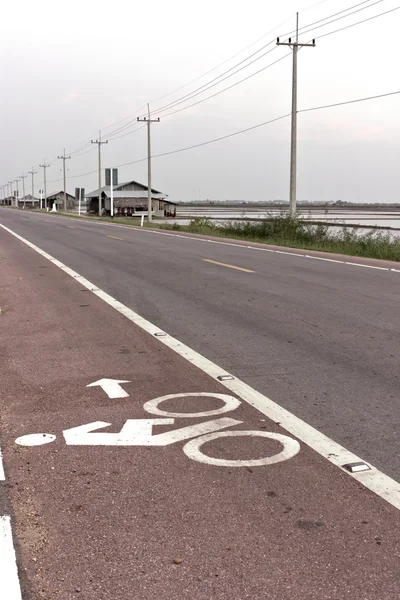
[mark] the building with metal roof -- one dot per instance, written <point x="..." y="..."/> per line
<point x="130" y="198"/>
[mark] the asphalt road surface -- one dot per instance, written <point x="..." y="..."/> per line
<point x="95" y="517"/>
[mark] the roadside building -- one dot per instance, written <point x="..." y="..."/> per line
<point x="130" y="198"/>
<point x="9" y="201"/>
<point x="29" y="201"/>
<point x="58" y="199"/>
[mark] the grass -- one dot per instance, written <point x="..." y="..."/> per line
<point x="285" y="230"/>
<point x="295" y="232"/>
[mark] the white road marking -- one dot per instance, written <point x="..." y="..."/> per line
<point x="111" y="387"/>
<point x="290" y="448"/>
<point x="376" y="481"/>
<point x="342" y="262"/>
<point x="139" y="432"/>
<point x="291" y="253"/>
<point x="35" y="439"/>
<point x="2" y="474"/>
<point x="9" y="582"/>
<point x="230" y="403"/>
<point x="365" y="266"/>
<point x="199" y="239"/>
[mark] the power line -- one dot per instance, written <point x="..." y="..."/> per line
<point x="359" y="22"/>
<point x="193" y="94"/>
<point x="349" y="102"/>
<point x="229" y="87"/>
<point x="197" y="92"/>
<point x="344" y="16"/>
<point x="254" y="53"/>
<point x="333" y="15"/>
<point x="224" y="137"/>
<point x="229" y="135"/>
<point x="207" y="85"/>
<point x="83" y="149"/>
<point x="128" y="133"/>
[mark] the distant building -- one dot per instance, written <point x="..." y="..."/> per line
<point x="29" y="201"/>
<point x="9" y="201"/>
<point x="58" y="199"/>
<point x="130" y="198"/>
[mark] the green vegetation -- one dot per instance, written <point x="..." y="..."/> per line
<point x="295" y="232"/>
<point x="284" y="230"/>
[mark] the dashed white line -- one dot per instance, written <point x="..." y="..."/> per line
<point x="376" y="481"/>
<point x="144" y="230"/>
<point x="9" y="582"/>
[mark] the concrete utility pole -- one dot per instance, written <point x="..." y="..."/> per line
<point x="33" y="173"/>
<point x="23" y="177"/>
<point x="293" y="144"/>
<point x="17" y="191"/>
<point x="64" y="158"/>
<point x="10" y="192"/>
<point x="99" y="143"/>
<point x="45" y="186"/>
<point x="148" y="120"/>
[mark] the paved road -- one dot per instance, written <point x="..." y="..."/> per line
<point x="109" y="520"/>
<point x="319" y="338"/>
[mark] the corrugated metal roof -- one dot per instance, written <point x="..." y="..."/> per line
<point x="107" y="189"/>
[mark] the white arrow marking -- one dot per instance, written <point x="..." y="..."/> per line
<point x="111" y="387"/>
<point x="139" y="432"/>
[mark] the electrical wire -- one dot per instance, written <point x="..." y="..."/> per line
<point x="359" y="22"/>
<point x="224" y="137"/>
<point x="204" y="88"/>
<point x="197" y="90"/>
<point x="192" y="95"/>
<point x="344" y="16"/>
<point x="229" y="87"/>
<point x="333" y="15"/>
<point x="129" y="132"/>
<point x="208" y="87"/>
<point x="349" y="102"/>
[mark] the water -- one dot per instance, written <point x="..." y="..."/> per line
<point x="364" y="218"/>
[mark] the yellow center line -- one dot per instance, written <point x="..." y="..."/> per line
<point x="214" y="262"/>
<point x="116" y="238"/>
<point x="71" y="227"/>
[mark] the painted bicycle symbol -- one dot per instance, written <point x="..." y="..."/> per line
<point x="139" y="432"/>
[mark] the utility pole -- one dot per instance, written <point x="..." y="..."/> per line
<point x="23" y="177"/>
<point x="33" y="173"/>
<point x="293" y="143"/>
<point x="64" y="158"/>
<point x="17" y="192"/>
<point x="99" y="143"/>
<point x="45" y="187"/>
<point x="10" y="186"/>
<point x="149" y="120"/>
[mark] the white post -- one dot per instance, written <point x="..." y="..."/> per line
<point x="40" y="195"/>
<point x="142" y="221"/>
<point x="79" y="202"/>
<point x="112" y="193"/>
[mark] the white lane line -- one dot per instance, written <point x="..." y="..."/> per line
<point x="9" y="582"/>
<point x="366" y="266"/>
<point x="376" y="481"/>
<point x="2" y="474"/>
<point x="291" y="253"/>
<point x="144" y="230"/>
<point x="327" y="259"/>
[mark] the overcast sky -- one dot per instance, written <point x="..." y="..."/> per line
<point x="70" y="69"/>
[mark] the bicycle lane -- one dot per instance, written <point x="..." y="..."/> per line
<point x="96" y="515"/>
